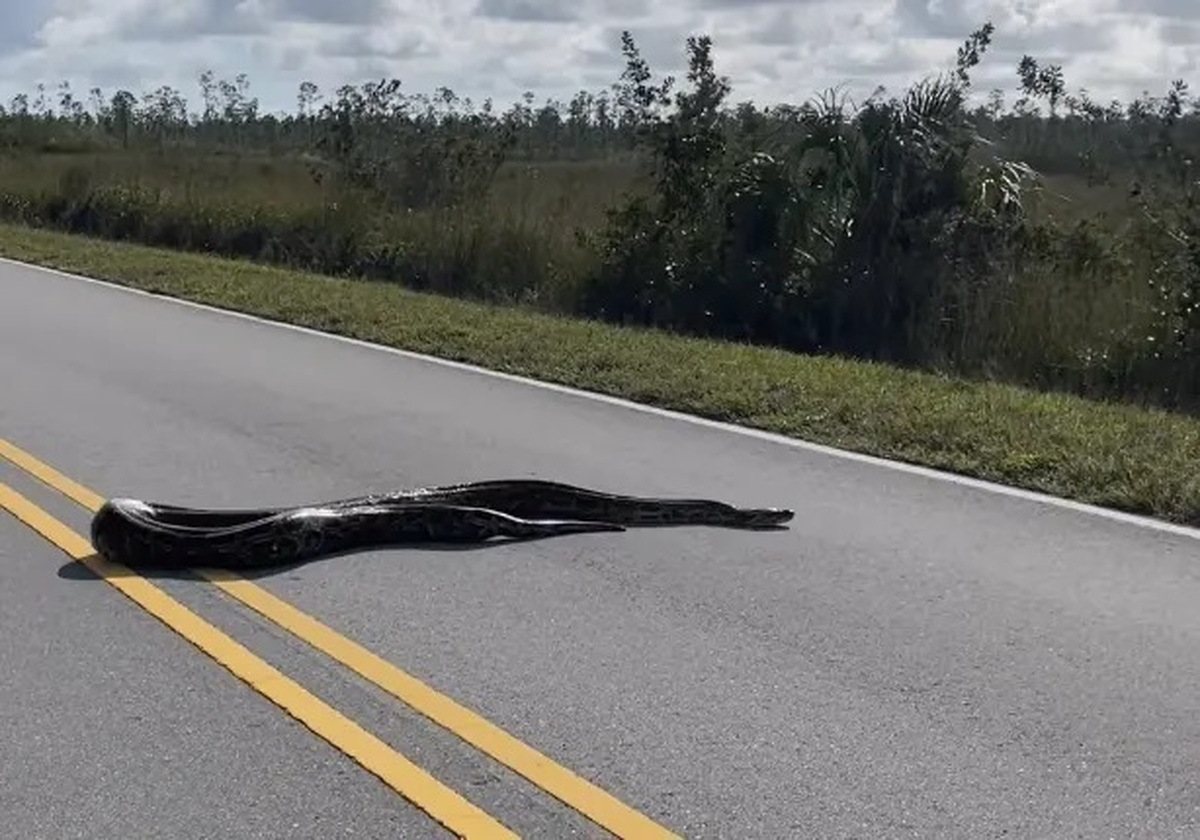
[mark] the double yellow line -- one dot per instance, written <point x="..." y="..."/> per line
<point x="440" y="802"/>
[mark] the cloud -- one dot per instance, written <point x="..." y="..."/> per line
<point x="365" y="13"/>
<point x="529" y="11"/>
<point x="773" y="50"/>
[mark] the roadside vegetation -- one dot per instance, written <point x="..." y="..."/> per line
<point x="1007" y="291"/>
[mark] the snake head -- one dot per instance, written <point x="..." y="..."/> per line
<point x="764" y="517"/>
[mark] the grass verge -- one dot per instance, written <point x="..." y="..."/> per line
<point x="1120" y="456"/>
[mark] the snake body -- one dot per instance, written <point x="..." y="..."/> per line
<point x="137" y="533"/>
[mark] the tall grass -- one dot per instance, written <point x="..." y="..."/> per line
<point x="907" y="229"/>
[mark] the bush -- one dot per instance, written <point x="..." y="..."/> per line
<point x="842" y="242"/>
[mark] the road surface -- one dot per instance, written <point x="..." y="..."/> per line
<point x="915" y="657"/>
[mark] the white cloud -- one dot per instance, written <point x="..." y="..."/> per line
<point x="774" y="50"/>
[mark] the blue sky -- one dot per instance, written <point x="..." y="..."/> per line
<point x="773" y="50"/>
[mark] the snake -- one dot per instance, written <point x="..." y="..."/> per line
<point x="147" y="534"/>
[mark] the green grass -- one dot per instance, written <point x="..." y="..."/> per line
<point x="1121" y="456"/>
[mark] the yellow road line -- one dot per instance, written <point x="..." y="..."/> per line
<point x="51" y="477"/>
<point x="569" y="788"/>
<point x="440" y="802"/>
<point x="588" y="799"/>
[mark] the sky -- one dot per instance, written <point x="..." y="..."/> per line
<point x="772" y="50"/>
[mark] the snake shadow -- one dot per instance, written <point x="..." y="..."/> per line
<point x="77" y="570"/>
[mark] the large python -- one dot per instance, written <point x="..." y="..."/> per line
<point x="138" y="533"/>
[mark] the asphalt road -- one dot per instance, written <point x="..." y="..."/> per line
<point x="913" y="658"/>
